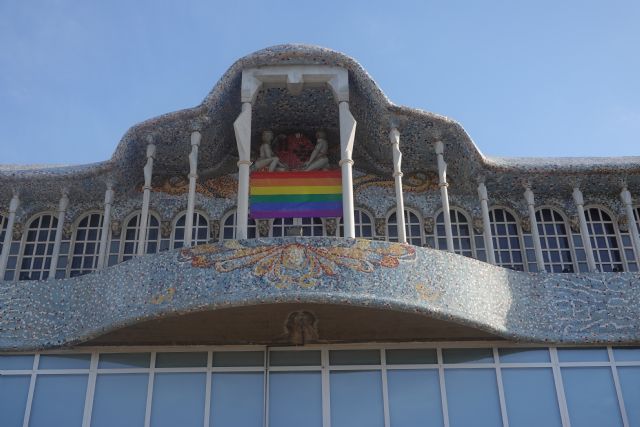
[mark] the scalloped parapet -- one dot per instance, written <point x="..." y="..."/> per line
<point x="560" y="308"/>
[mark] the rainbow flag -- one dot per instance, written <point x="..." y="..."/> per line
<point x="296" y="194"/>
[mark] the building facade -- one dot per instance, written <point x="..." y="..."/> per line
<point x="297" y="250"/>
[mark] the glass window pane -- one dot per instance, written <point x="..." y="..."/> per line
<point x="295" y="399"/>
<point x="583" y="354"/>
<point x="591" y="397"/>
<point x="181" y="360"/>
<point x="630" y="385"/>
<point x="414" y="395"/>
<point x="520" y="387"/>
<point x="65" y="361"/>
<point x="238" y="358"/>
<point x="58" y="400"/>
<point x="356" y="399"/>
<point x="626" y="354"/>
<point x="524" y="355"/>
<point x="119" y="400"/>
<point x="411" y="356"/>
<point x="354" y="357"/>
<point x="294" y="358"/>
<point x="178" y="399"/>
<point x="230" y="388"/>
<point x="123" y="360"/>
<point x="16" y="361"/>
<point x="467" y="355"/>
<point x="472" y="397"/>
<point x="13" y="399"/>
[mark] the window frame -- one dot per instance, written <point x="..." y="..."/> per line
<point x="567" y="226"/>
<point x="178" y="216"/>
<point x="408" y="224"/>
<point x="472" y="235"/>
<point x="23" y="243"/>
<point x="617" y="235"/>
<point x="123" y="233"/>
<point x="494" y="237"/>
<point x="74" y="235"/>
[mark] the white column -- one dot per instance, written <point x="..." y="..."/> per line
<point x="528" y="196"/>
<point x="8" y="235"/>
<point x="444" y="194"/>
<point x="62" y="211"/>
<point x="584" y="230"/>
<point x="193" y="177"/>
<point x="242" y="128"/>
<point x="106" y="227"/>
<point x="347" y="136"/>
<point x="484" y="205"/>
<point x="394" y="137"/>
<point x="146" y="196"/>
<point x="625" y="196"/>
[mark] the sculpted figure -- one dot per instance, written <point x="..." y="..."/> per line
<point x="318" y="158"/>
<point x="267" y="157"/>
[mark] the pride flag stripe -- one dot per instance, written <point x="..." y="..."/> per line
<point x="296" y="198"/>
<point x="290" y="189"/>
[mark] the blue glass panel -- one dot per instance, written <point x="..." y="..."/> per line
<point x="591" y="397"/>
<point x="467" y="355"/>
<point x="530" y="396"/>
<point x="230" y="388"/>
<point x="13" y="399"/>
<point x="119" y="400"/>
<point x="294" y="358"/>
<point x="65" y="361"/>
<point x="58" y="400"/>
<point x="181" y="360"/>
<point x="178" y="399"/>
<point x="123" y="360"/>
<point x="356" y="399"/>
<point x="238" y="358"/>
<point x="354" y="357"/>
<point x="524" y="355"/>
<point x="630" y="385"/>
<point x="472" y="397"/>
<point x="578" y="354"/>
<point x="295" y="399"/>
<point x="16" y="361"/>
<point x="626" y="354"/>
<point x="409" y="356"/>
<point x="414" y="396"/>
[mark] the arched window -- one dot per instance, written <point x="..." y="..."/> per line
<point x="363" y="223"/>
<point x="555" y="241"/>
<point x="310" y="227"/>
<point x="636" y="214"/>
<point x="131" y="233"/>
<point x="37" y="247"/>
<point x="413" y="227"/>
<point x="228" y="229"/>
<point x="3" y="230"/>
<point x="460" y="231"/>
<point x="604" y="240"/>
<point x="85" y="245"/>
<point x="199" y="233"/>
<point x="506" y="239"/>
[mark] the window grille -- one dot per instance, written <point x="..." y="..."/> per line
<point x="557" y="253"/>
<point x="413" y="227"/>
<point x="131" y="234"/>
<point x="506" y="239"/>
<point x="363" y="224"/>
<point x="228" y="229"/>
<point x="86" y="245"/>
<point x="37" y="248"/>
<point x="460" y="230"/>
<point x="311" y="227"/>
<point x="604" y="240"/>
<point x="199" y="234"/>
<point x="3" y="229"/>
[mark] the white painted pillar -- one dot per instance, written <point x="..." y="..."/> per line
<point x="347" y="136"/>
<point x="146" y="196"/>
<point x="8" y="235"/>
<point x="62" y="211"/>
<point x="242" y="128"/>
<point x="584" y="230"/>
<point x="444" y="194"/>
<point x="528" y="196"/>
<point x="106" y="227"/>
<point x="394" y="137"/>
<point x="625" y="196"/>
<point x="193" y="177"/>
<point x="488" y="241"/>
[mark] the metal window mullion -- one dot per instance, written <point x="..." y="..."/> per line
<point x="385" y="388"/>
<point x="265" y="391"/>
<point x="616" y="383"/>
<point x="557" y="379"/>
<point x="91" y="387"/>
<point x="207" y="393"/>
<point x="443" y="388"/>
<point x="32" y="386"/>
<point x="326" y="391"/>
<point x="503" y="403"/>
<point x="147" y="412"/>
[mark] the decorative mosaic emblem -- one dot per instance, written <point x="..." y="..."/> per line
<point x="295" y="262"/>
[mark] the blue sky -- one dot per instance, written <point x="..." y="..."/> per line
<point x="537" y="78"/>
